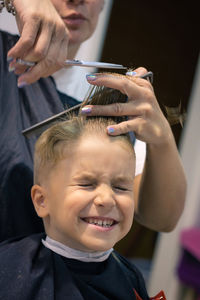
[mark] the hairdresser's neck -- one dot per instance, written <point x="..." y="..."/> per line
<point x="72" y="50"/>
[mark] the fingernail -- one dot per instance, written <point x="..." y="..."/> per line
<point x="21" y="84"/>
<point x="131" y="73"/>
<point x="110" y="129"/>
<point x="9" y="58"/>
<point x="86" y="110"/>
<point x="91" y="77"/>
<point x="11" y="68"/>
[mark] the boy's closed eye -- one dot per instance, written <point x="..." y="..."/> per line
<point x="92" y="185"/>
<point x="86" y="185"/>
<point x="123" y="185"/>
<point x="121" y="188"/>
<point x="115" y="187"/>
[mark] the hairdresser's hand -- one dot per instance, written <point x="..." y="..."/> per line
<point x="145" y="117"/>
<point x="44" y="39"/>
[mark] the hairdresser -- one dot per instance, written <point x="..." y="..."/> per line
<point x="50" y="32"/>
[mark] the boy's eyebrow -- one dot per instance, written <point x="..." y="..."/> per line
<point x="84" y="175"/>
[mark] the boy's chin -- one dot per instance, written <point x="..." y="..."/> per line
<point x="99" y="248"/>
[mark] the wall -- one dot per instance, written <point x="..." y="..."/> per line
<point x="163" y="275"/>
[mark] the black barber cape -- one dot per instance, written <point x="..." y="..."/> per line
<point x="30" y="271"/>
<point x="21" y="108"/>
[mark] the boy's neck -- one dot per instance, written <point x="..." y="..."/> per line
<point x="61" y="249"/>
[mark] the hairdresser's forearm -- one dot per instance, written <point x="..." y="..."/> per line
<point x="162" y="188"/>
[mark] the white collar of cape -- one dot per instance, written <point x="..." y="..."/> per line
<point x="72" y="76"/>
<point x="65" y="251"/>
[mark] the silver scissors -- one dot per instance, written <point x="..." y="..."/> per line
<point x="94" y="64"/>
<point x="77" y="62"/>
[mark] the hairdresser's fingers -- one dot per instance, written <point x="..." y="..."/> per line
<point x="39" y="50"/>
<point x="125" y="127"/>
<point x="41" y="28"/>
<point x="145" y="129"/>
<point x="138" y="72"/>
<point x="115" y="109"/>
<point x="146" y="106"/>
<point x="60" y="52"/>
<point x="129" y="85"/>
<point x="50" y="64"/>
<point x="133" y="87"/>
<point x="145" y="120"/>
<point x="26" y="40"/>
<point x="34" y="19"/>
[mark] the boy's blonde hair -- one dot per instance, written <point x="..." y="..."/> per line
<point x="64" y="135"/>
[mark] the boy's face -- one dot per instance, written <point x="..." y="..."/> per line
<point x="80" y="17"/>
<point x="87" y="199"/>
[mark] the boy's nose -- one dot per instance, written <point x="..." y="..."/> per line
<point x="105" y="197"/>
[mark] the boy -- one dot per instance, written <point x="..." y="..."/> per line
<point x="83" y="191"/>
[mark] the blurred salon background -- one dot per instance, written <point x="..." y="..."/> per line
<point x="163" y="37"/>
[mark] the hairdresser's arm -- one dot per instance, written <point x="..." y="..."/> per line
<point x="162" y="187"/>
<point x="43" y="38"/>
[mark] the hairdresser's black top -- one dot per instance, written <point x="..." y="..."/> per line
<point x="20" y="109"/>
<point x="28" y="270"/>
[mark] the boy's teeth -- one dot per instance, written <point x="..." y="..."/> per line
<point x="99" y="222"/>
<point x="103" y="223"/>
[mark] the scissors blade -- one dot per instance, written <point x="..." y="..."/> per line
<point x="79" y="63"/>
<point x="95" y="64"/>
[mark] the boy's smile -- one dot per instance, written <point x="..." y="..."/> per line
<point x="89" y="194"/>
<point x="100" y="221"/>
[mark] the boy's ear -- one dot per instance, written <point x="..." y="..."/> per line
<point x="39" y="199"/>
